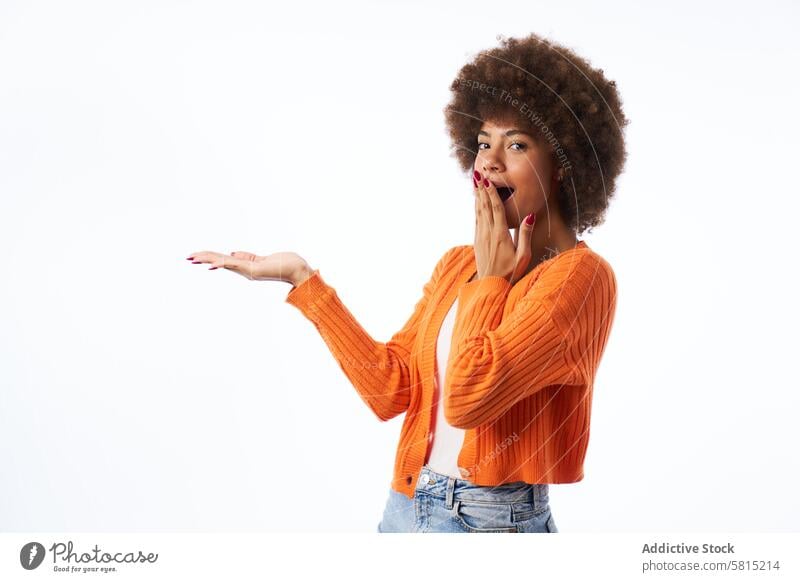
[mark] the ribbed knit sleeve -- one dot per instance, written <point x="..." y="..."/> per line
<point x="380" y="372"/>
<point x="554" y="335"/>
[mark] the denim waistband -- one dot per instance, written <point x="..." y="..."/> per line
<point x="449" y="488"/>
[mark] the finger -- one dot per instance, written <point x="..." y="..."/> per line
<point x="197" y="256"/>
<point x="497" y="207"/>
<point x="523" y="254"/>
<point x="205" y="257"/>
<point x="477" y="198"/>
<point x="479" y="226"/>
<point x="202" y="257"/>
<point x="484" y="206"/>
<point x="241" y="266"/>
<point x="484" y="214"/>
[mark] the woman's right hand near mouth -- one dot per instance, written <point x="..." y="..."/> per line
<point x="289" y="267"/>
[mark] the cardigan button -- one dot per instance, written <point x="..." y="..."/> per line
<point x="408" y="480"/>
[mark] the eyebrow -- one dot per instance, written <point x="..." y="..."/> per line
<point x="509" y="133"/>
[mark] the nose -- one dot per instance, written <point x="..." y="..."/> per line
<point x="489" y="164"/>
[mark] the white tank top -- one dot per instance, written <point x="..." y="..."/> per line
<point x="447" y="440"/>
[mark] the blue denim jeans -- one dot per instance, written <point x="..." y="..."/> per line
<point x="444" y="504"/>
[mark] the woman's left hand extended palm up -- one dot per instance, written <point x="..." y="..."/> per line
<point x="495" y="253"/>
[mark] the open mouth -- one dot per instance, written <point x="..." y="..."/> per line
<point x="505" y="192"/>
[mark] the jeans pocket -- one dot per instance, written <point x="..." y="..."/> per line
<point x="523" y="511"/>
<point x="539" y="522"/>
<point x="476" y="517"/>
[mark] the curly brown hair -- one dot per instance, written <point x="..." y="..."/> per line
<point x="567" y="105"/>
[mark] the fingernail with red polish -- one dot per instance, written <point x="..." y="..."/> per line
<point x="486" y="182"/>
<point x="474" y="183"/>
<point x="477" y="175"/>
<point x="530" y="218"/>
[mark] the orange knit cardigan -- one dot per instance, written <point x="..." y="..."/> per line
<point x="520" y="372"/>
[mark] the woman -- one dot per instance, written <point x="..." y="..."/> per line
<point x="495" y="368"/>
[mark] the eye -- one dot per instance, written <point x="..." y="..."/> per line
<point x="521" y="145"/>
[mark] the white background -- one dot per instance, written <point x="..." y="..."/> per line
<point x="139" y="392"/>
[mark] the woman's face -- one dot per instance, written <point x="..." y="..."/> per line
<point x="508" y="157"/>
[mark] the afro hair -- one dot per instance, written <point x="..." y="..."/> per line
<point x="554" y="94"/>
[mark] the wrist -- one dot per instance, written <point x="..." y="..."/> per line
<point x="301" y="275"/>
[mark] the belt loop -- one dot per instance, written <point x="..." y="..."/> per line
<point x="451" y="485"/>
<point x="536" y="497"/>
